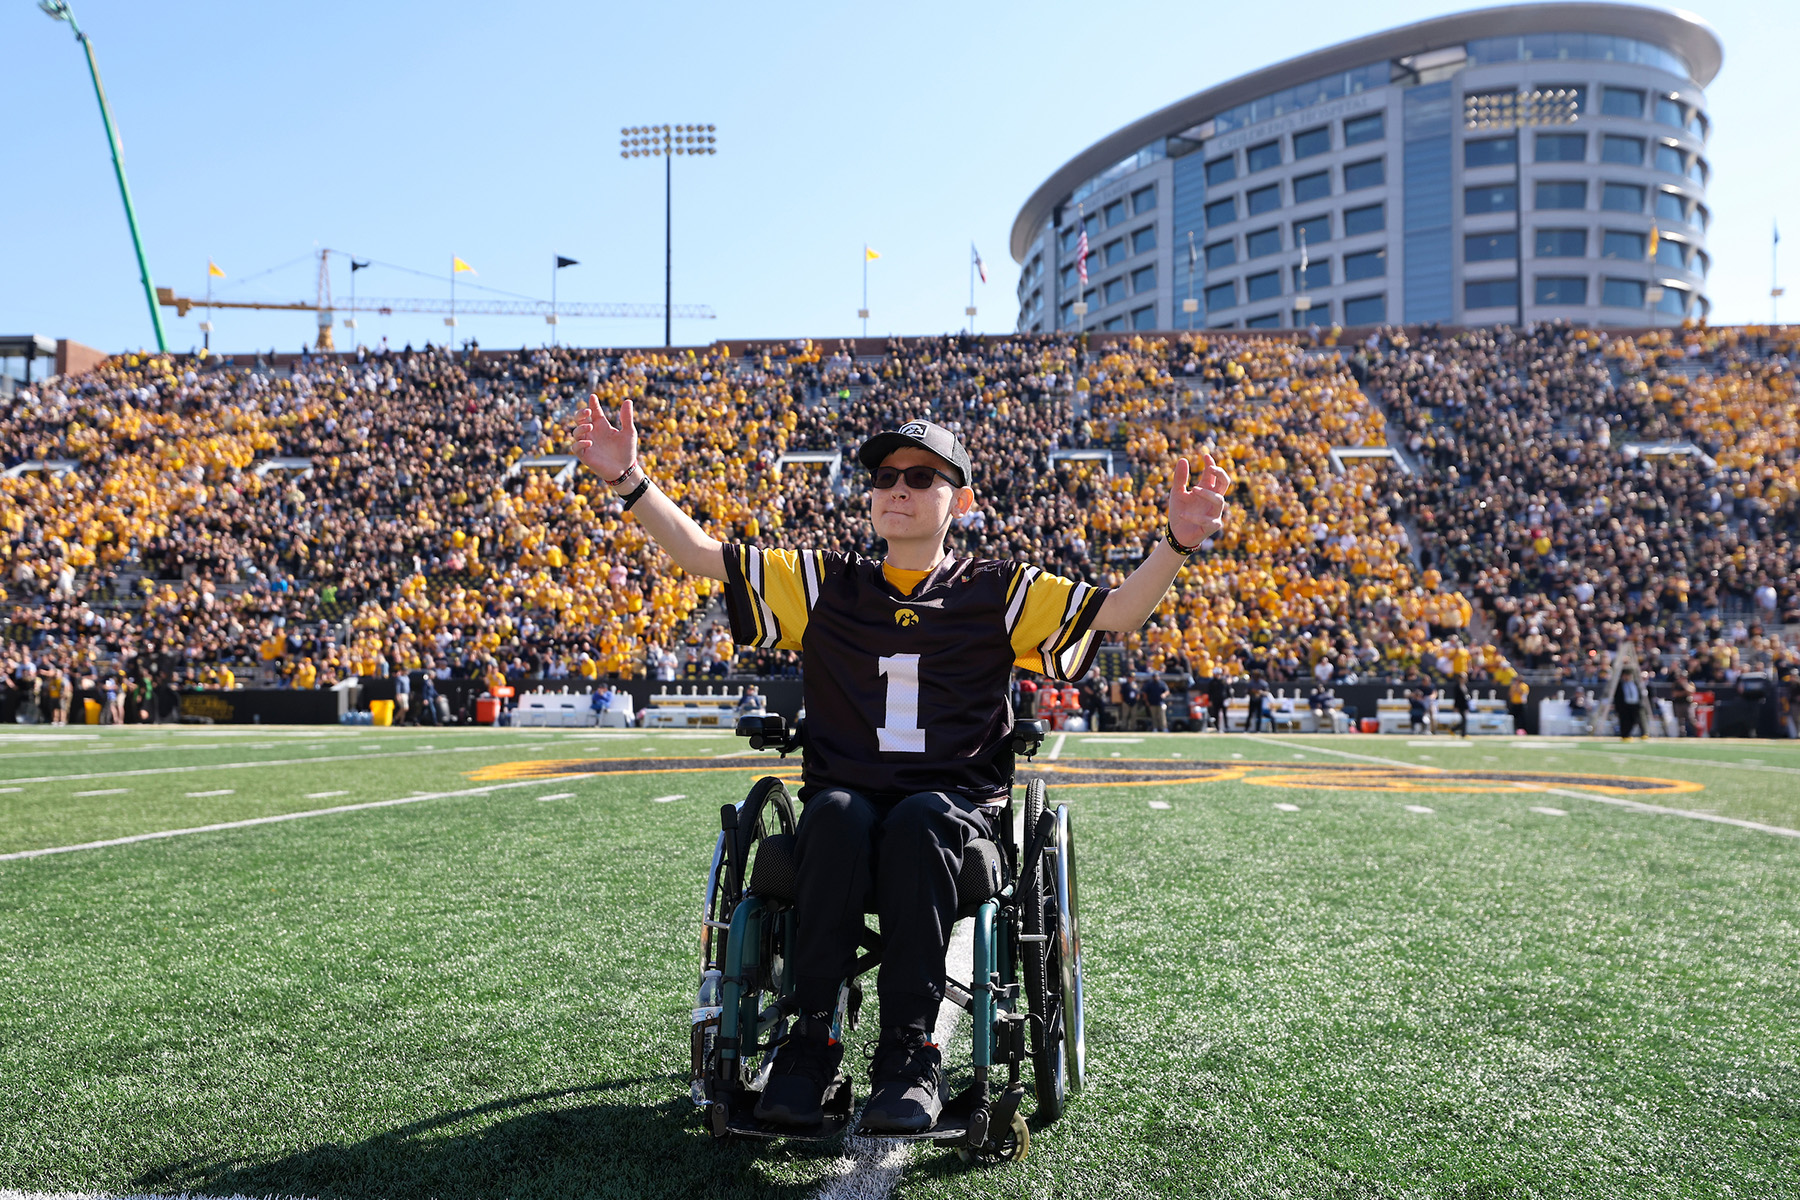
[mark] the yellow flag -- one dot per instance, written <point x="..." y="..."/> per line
<point x="212" y="268"/>
<point x="871" y="256"/>
<point x="1654" y="240"/>
<point x="457" y="264"/>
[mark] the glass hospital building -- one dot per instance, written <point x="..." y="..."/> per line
<point x="1532" y="161"/>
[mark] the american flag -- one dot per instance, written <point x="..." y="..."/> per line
<point x="1081" y="253"/>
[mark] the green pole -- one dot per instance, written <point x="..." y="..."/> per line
<point x="61" y="11"/>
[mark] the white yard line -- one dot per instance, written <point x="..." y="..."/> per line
<point x="293" y="816"/>
<point x="239" y="766"/>
<point x="1390" y="762"/>
<point x="1615" y="801"/>
<point x="1056" y="748"/>
<point x="1638" y="753"/>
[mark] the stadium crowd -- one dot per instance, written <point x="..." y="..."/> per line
<point x="225" y="524"/>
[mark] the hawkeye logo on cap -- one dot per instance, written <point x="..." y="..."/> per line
<point x="914" y="429"/>
<point x="905" y="616"/>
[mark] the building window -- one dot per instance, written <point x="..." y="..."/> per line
<point x="1698" y="171"/>
<point x="1491" y="152"/>
<point x="1143" y="200"/>
<point x="1671" y="160"/>
<point x="1626" y="151"/>
<point x="1668" y="112"/>
<point x="1487" y="247"/>
<point x="1115" y="251"/>
<point x="1366" y="174"/>
<point x="1068" y="238"/>
<point x="1671" y="253"/>
<point x="1262" y="287"/>
<point x="1561" y="193"/>
<point x="1370" y="219"/>
<point x="1113" y="323"/>
<point x="1697" y="125"/>
<point x="1620" y="243"/>
<point x="1621" y="102"/>
<point x="1622" y="197"/>
<point x="1561" y="243"/>
<point x="1674" y="302"/>
<point x="1113" y="290"/>
<point x="1223" y="212"/>
<point x="1358" y="130"/>
<point x="1316" y="186"/>
<point x="1221" y="254"/>
<point x="1314" y="315"/>
<point x="1309" y="142"/>
<point x="1701" y="263"/>
<point x="1069" y="278"/>
<point x="1561" y="147"/>
<point x="1221" y="170"/>
<point x="1370" y="264"/>
<point x="1316" y="275"/>
<point x="1266" y="321"/>
<point x="1068" y="313"/>
<point x="1701" y="216"/>
<point x="1499" y="197"/>
<point x="1262" y="242"/>
<point x="1221" y="295"/>
<point x="1671" y="206"/>
<point x="1561" y="289"/>
<point x="1262" y="157"/>
<point x="1365" y="310"/>
<point x="1490" y="293"/>
<point x="1144" y="279"/>
<point x="1622" y="293"/>
<point x="1115" y="212"/>
<point x="1313" y="231"/>
<point x="1091" y="223"/>
<point x="1263" y="199"/>
<point x="1144" y="318"/>
<point x="1143" y="239"/>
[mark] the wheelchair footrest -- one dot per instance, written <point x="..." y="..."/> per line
<point x="840" y="1102"/>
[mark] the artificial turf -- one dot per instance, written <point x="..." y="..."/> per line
<point x="487" y="994"/>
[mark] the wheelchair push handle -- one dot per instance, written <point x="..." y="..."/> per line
<point x="769" y="731"/>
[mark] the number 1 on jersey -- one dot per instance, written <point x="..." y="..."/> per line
<point x="899" y="731"/>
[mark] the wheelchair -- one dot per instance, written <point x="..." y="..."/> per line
<point x="1024" y="999"/>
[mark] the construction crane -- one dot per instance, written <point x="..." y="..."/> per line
<point x="327" y="311"/>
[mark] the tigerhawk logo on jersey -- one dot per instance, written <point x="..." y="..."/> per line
<point x="905" y="616"/>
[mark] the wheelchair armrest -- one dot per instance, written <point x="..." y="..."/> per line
<point x="769" y="731"/>
<point x="1027" y="736"/>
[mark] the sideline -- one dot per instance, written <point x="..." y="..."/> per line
<point x="293" y="816"/>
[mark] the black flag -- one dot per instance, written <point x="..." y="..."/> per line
<point x="357" y="266"/>
<point x="562" y="262"/>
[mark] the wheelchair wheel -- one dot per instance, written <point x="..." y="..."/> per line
<point x="1065" y="948"/>
<point x="768" y="810"/>
<point x="1048" y="1075"/>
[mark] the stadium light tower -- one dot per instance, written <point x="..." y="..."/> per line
<point x="59" y="10"/>
<point x="665" y="142"/>
<point x="1517" y="111"/>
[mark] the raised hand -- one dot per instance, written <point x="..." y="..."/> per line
<point x="601" y="448"/>
<point x="1197" y="512"/>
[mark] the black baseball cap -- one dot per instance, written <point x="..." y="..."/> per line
<point x="925" y="436"/>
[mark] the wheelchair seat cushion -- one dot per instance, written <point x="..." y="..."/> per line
<point x="775" y="872"/>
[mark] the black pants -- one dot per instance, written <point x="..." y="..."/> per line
<point x="898" y="857"/>
<point x="1631" y="720"/>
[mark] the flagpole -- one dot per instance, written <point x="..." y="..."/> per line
<point x="553" y="272"/>
<point x="1774" y="273"/>
<point x="206" y="330"/>
<point x="453" y="302"/>
<point x="865" y="303"/>
<point x="971" y="312"/>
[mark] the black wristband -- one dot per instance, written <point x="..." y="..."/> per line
<point x="1177" y="547"/>
<point x="636" y="493"/>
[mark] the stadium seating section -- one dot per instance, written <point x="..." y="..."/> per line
<point x="1548" y="496"/>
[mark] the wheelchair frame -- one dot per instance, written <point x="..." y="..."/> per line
<point x="1026" y="975"/>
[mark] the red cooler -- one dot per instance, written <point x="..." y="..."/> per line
<point x="487" y="708"/>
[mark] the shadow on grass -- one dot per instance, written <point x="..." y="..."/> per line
<point x="550" y="1144"/>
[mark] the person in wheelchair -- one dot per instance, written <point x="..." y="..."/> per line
<point x="906" y="662"/>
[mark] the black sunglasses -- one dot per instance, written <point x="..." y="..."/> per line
<point x="917" y="478"/>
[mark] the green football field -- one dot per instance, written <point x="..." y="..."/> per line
<point x="460" y="963"/>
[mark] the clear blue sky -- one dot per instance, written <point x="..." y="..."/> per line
<point x="409" y="131"/>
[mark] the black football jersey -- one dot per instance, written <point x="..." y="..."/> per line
<point x="908" y="692"/>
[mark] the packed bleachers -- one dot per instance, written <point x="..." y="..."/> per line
<point x="241" y="523"/>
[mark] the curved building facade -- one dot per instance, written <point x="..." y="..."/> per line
<point x="1526" y="162"/>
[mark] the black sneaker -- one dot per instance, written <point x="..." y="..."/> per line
<point x="908" y="1074"/>
<point x="805" y="1067"/>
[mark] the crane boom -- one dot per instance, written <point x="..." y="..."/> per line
<point x="490" y="308"/>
